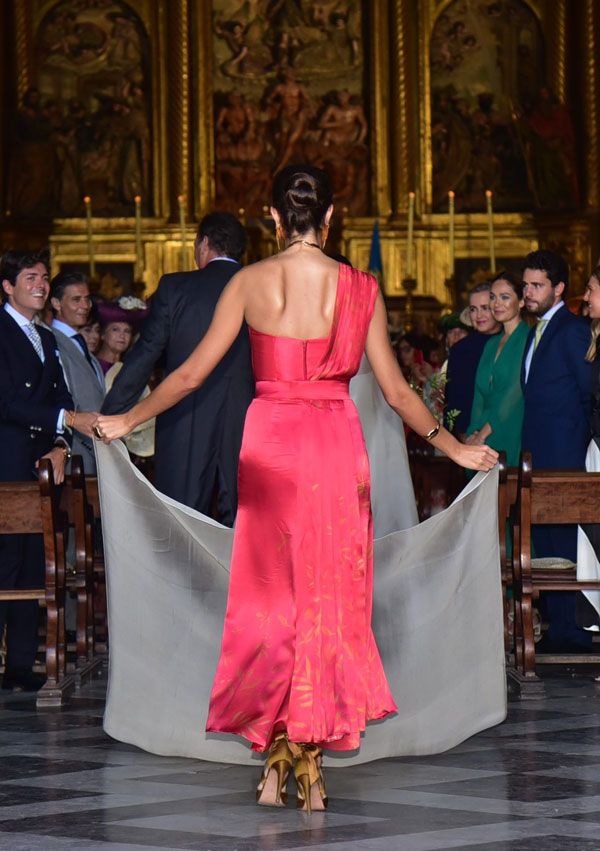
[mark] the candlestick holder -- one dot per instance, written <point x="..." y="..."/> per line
<point x="409" y="285"/>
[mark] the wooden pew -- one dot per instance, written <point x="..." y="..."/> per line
<point x="437" y="480"/>
<point x="546" y="497"/>
<point x="101" y="624"/>
<point x="81" y="519"/>
<point x="32" y="508"/>
<point x="507" y="496"/>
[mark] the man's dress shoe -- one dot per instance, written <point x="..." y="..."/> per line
<point x="22" y="679"/>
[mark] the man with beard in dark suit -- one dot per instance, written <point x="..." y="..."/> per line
<point x="557" y="388"/>
<point x="198" y="440"/>
<point x="35" y="410"/>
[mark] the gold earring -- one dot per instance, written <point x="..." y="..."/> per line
<point x="324" y="235"/>
<point x="279" y="237"/>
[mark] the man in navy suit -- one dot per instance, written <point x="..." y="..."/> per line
<point x="557" y="386"/>
<point x="34" y="403"/>
<point x="198" y="440"/>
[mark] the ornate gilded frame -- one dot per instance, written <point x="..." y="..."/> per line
<point x="430" y="10"/>
<point x="28" y="15"/>
<point x="377" y="44"/>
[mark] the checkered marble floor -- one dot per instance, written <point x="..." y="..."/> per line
<point x="530" y="783"/>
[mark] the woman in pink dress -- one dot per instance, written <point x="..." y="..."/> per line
<point x="299" y="668"/>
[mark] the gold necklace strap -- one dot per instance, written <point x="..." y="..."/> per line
<point x="303" y="242"/>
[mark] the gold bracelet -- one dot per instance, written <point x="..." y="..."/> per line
<point x="433" y="433"/>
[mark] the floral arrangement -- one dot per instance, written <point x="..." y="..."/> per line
<point x="130" y="302"/>
<point x="433" y="394"/>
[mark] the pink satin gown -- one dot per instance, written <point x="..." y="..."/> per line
<point x="298" y="652"/>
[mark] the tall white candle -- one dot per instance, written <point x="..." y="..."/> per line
<point x="181" y="200"/>
<point x="451" y="233"/>
<point x="90" y="235"/>
<point x="409" y="234"/>
<point x="139" y="254"/>
<point x="490" y="215"/>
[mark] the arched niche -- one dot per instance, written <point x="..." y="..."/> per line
<point x="84" y="127"/>
<point x="495" y="124"/>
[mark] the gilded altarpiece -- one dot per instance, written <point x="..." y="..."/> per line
<point x="288" y="86"/>
<point x="496" y="91"/>
<point x="503" y="106"/>
<point x="193" y="104"/>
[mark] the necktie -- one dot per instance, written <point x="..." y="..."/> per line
<point x="83" y="345"/>
<point x="36" y="341"/>
<point x="539" y="330"/>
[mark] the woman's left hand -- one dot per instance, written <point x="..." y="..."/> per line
<point x="111" y="428"/>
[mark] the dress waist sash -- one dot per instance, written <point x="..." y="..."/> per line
<point x="290" y="390"/>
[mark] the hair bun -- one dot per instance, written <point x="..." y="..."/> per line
<point x="302" y="194"/>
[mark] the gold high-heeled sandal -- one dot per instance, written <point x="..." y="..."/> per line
<point x="309" y="777"/>
<point x="271" y="790"/>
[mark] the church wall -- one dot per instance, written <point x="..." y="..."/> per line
<point x="195" y="103"/>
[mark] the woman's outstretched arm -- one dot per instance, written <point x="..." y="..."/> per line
<point x="407" y="403"/>
<point x="224" y="328"/>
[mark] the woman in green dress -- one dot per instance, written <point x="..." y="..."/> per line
<point x="497" y="414"/>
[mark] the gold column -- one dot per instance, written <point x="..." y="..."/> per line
<point x="403" y="107"/>
<point x="557" y="44"/>
<point x="204" y="112"/>
<point x="3" y="110"/>
<point x="591" y="98"/>
<point x="380" y="80"/>
<point x="425" y="15"/>
<point x="178" y="69"/>
<point x="23" y="30"/>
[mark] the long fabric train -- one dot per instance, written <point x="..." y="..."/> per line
<point x="437" y="617"/>
<point x="298" y="652"/>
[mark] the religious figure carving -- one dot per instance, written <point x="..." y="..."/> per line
<point x="343" y="123"/>
<point x="549" y="143"/>
<point x="486" y="68"/>
<point x="288" y="86"/>
<point x="289" y="109"/>
<point x="86" y="127"/>
<point x="31" y="175"/>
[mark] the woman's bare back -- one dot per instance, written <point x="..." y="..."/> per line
<point x="292" y="294"/>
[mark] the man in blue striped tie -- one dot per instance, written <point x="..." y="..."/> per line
<point x="34" y="402"/>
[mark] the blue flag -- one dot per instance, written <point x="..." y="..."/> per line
<point x="375" y="259"/>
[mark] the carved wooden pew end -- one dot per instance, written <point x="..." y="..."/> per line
<point x="546" y="497"/>
<point x="31" y="508"/>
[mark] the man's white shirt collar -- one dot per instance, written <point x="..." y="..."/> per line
<point x="21" y="320"/>
<point x="546" y="318"/>
<point x="228" y="259"/>
<point x="554" y="309"/>
<point x="64" y="328"/>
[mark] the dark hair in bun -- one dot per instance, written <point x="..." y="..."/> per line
<point x="512" y="279"/>
<point x="301" y="195"/>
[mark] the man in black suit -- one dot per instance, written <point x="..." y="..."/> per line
<point x="198" y="440"/>
<point x="35" y="407"/>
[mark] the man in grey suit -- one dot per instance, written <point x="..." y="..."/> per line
<point x="71" y="305"/>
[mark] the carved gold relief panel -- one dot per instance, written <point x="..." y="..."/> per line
<point x="88" y="120"/>
<point x="492" y="119"/>
<point x="288" y="83"/>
